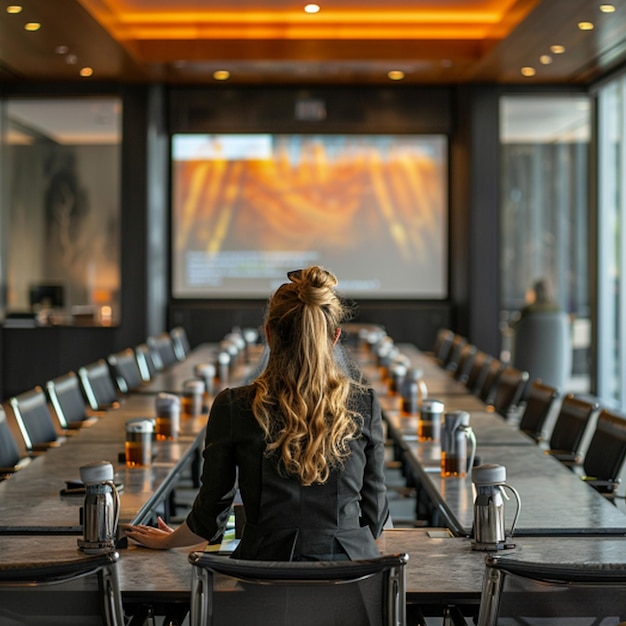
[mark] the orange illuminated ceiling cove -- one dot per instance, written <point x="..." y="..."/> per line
<point x="167" y="30"/>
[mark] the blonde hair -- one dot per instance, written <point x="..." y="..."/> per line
<point x="301" y="398"/>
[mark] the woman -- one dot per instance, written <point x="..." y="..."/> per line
<point x="303" y="443"/>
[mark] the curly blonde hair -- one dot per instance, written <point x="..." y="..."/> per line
<point x="301" y="398"/>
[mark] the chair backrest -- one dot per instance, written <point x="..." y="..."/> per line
<point x="451" y="361"/>
<point x="162" y="347"/>
<point x="570" y="425"/>
<point x="488" y="388"/>
<point x="67" y="400"/>
<point x="539" y="402"/>
<point x="509" y="390"/>
<point x="147" y="365"/>
<point x="34" y="419"/>
<point x="98" y="385"/>
<point x="606" y="453"/>
<point x="542" y="346"/>
<point x="77" y="592"/>
<point x="9" y="452"/>
<point x="443" y="343"/>
<point x="180" y="342"/>
<point x="478" y="371"/>
<point x="465" y="362"/>
<point x="333" y="593"/>
<point x="536" y="594"/>
<point x="125" y="369"/>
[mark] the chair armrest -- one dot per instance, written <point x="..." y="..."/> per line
<point x="603" y="486"/>
<point x="566" y="457"/>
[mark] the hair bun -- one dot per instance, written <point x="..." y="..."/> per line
<point x="314" y="285"/>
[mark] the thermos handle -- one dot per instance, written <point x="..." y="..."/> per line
<point x="469" y="433"/>
<point x="519" y="505"/>
<point x="116" y="499"/>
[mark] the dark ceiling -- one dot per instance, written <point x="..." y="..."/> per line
<point x="347" y="42"/>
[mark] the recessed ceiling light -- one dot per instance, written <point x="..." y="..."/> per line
<point x="607" y="8"/>
<point x="14" y="9"/>
<point x="71" y="59"/>
<point x="528" y="71"/>
<point x="395" y="75"/>
<point x="545" y="59"/>
<point x="585" y="25"/>
<point x="312" y="8"/>
<point x="221" y="75"/>
<point x="86" y="71"/>
<point x="32" y="26"/>
<point x="557" y="49"/>
<point x="61" y="49"/>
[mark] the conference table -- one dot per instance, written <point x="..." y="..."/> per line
<point x="554" y="499"/>
<point x="562" y="519"/>
<point x="442" y="570"/>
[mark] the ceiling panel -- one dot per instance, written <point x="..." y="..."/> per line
<point x="347" y="42"/>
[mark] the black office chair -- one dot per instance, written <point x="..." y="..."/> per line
<point x="539" y="402"/>
<point x="35" y="420"/>
<point x="148" y="367"/>
<point x="442" y="345"/>
<point x="98" y="386"/>
<point x="180" y="342"/>
<point x="519" y="593"/>
<point x="478" y="371"/>
<point x="333" y="593"/>
<point x="465" y="362"/>
<point x="10" y="461"/>
<point x="451" y="361"/>
<point x="569" y="429"/>
<point x="78" y="592"/>
<point x="487" y="390"/>
<point x="68" y="402"/>
<point x="606" y="453"/>
<point x="508" y="391"/>
<point x="162" y="348"/>
<point x="126" y="371"/>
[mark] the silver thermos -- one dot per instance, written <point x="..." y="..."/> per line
<point x="490" y="484"/>
<point x="100" y="508"/>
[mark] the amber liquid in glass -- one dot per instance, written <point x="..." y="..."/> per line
<point x="137" y="454"/>
<point x="452" y="465"/>
<point x="164" y="428"/>
<point x="425" y="430"/>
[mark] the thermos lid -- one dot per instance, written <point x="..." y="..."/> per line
<point x="204" y="369"/>
<point x="399" y="369"/>
<point x="96" y="472"/>
<point x="432" y="406"/>
<point x="194" y="385"/>
<point x="164" y="400"/>
<point x="140" y="425"/>
<point x="489" y="474"/>
<point x="458" y="418"/>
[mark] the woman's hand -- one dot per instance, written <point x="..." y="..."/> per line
<point x="150" y="536"/>
<point x="164" y="537"/>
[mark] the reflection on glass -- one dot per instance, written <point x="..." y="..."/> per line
<point x="611" y="351"/>
<point x="544" y="213"/>
<point x="62" y="181"/>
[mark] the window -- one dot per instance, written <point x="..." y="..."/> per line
<point x="61" y="208"/>
<point x="544" y="211"/>
<point x="611" y="352"/>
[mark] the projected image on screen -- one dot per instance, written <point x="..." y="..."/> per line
<point x="248" y="208"/>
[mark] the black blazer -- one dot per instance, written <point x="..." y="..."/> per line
<point x="284" y="520"/>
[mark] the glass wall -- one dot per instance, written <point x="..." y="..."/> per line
<point x="61" y="209"/>
<point x="611" y="352"/>
<point x="544" y="213"/>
